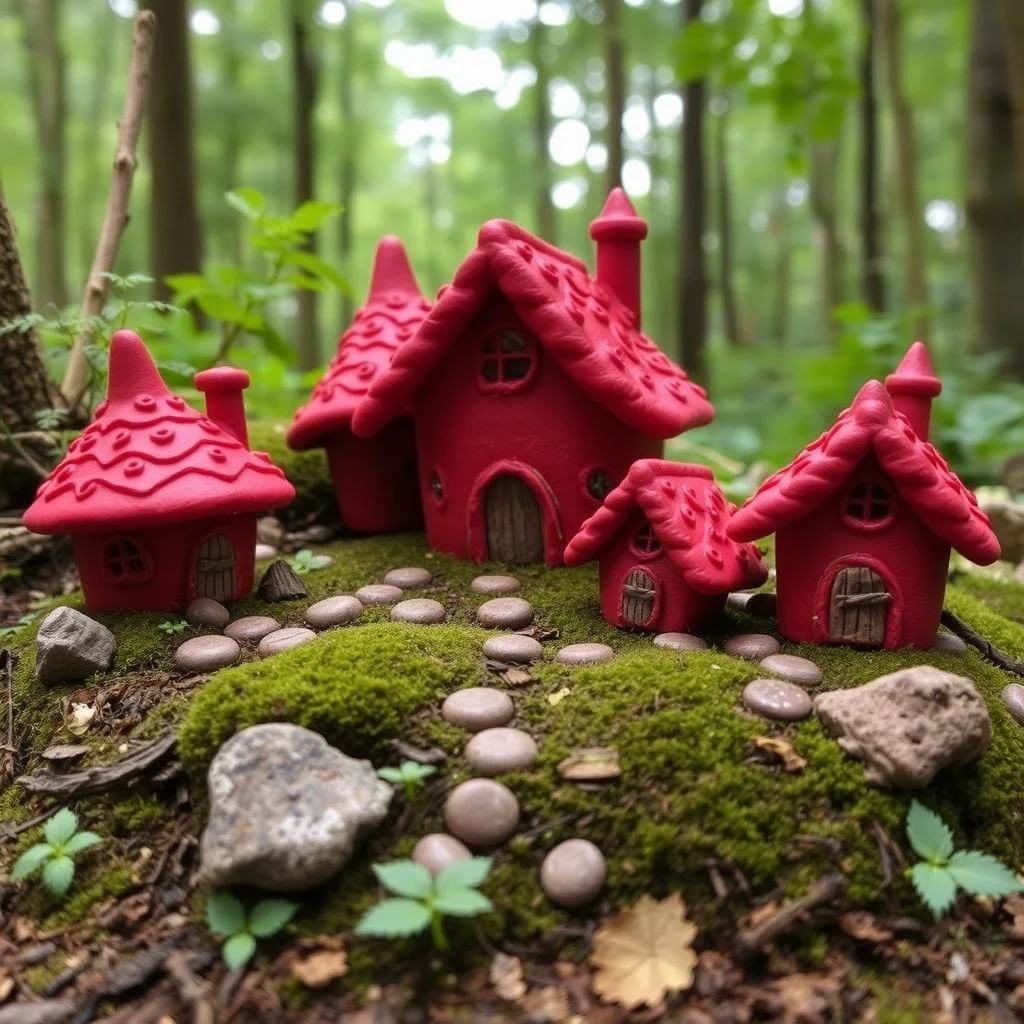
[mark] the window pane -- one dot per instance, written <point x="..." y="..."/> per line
<point x="513" y="342"/>
<point x="515" y="369"/>
<point x="489" y="370"/>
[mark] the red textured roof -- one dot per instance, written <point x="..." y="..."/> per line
<point x="871" y="427"/>
<point x="149" y="459"/>
<point x="591" y="334"/>
<point x="689" y="515"/>
<point x="393" y="311"/>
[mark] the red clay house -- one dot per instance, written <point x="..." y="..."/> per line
<point x="161" y="502"/>
<point x="533" y="391"/>
<point x="666" y="564"/>
<point x="865" y="518"/>
<point x="375" y="479"/>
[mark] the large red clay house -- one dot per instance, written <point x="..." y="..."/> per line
<point x="865" y="518"/>
<point x="375" y="479"/>
<point x="666" y="564"/>
<point x="160" y="501"/>
<point x="533" y="391"/>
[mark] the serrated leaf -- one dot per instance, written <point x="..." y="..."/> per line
<point x="393" y="918"/>
<point x="935" y="885"/>
<point x="268" y="917"/>
<point x="247" y="201"/>
<point x="57" y="875"/>
<point x="928" y="834"/>
<point x="982" y="874"/>
<point x="462" y="902"/>
<point x="61" y="827"/>
<point x="239" y="950"/>
<point x="31" y="861"/>
<point x="467" y="873"/>
<point x="225" y="913"/>
<point x="80" y="842"/>
<point x="405" y="878"/>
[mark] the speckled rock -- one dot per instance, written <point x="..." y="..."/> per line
<point x="494" y="585"/>
<point x="477" y="708"/>
<point x="421" y="610"/>
<point x="284" y="640"/>
<point x="513" y="647"/>
<point x="505" y="613"/>
<point x="207" y="653"/>
<point x="482" y="813"/>
<point x="204" y="611"/>
<point x="438" y="850"/>
<point x="286" y="809"/>
<point x="70" y="646"/>
<point x="264" y="551"/>
<point x="334" y="611"/>
<point x="251" y="628"/>
<point x="777" y="699"/>
<point x="500" y="750"/>
<point x="801" y="671"/>
<point x="680" y="642"/>
<point x="949" y="643"/>
<point x="409" y="577"/>
<point x="584" y="654"/>
<point x="1013" y="699"/>
<point x="379" y="593"/>
<point x="751" y="646"/>
<point x="573" y="873"/>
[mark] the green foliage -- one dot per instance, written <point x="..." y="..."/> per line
<point x="305" y="561"/>
<point x="173" y="628"/>
<point x="424" y="900"/>
<point x="410" y="775"/>
<point x="55" y="857"/>
<point x="227" y="917"/>
<point x="15" y="627"/>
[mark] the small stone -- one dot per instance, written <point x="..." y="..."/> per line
<point x="481" y="812"/>
<point x="477" y="708"/>
<point x="591" y="764"/>
<point x="334" y="611"/>
<point x="70" y="647"/>
<point x="513" y="647"/>
<point x="494" y="585"/>
<point x="64" y="753"/>
<point x="505" y="613"/>
<point x="409" y="577"/>
<point x="798" y="670"/>
<point x="949" y="643"/>
<point x="438" y="850"/>
<point x="1013" y="697"/>
<point x="204" y="611"/>
<point x="573" y="873"/>
<point x="751" y="646"/>
<point x="679" y="642"/>
<point x="207" y="653"/>
<point x="421" y="610"/>
<point x="270" y="530"/>
<point x="251" y="628"/>
<point x="776" y="699"/>
<point x="379" y="593"/>
<point x="264" y="551"/>
<point x="284" y="640"/>
<point x="584" y="654"/>
<point x="279" y="583"/>
<point x="495" y="751"/>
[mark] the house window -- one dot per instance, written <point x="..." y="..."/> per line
<point x="868" y="505"/>
<point x="598" y="484"/>
<point x="126" y="560"/>
<point x="508" y="360"/>
<point x="645" y="543"/>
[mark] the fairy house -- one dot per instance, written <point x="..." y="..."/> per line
<point x="375" y="479"/>
<point x="161" y="502"/>
<point x="865" y="518"/>
<point x="532" y="390"/>
<point x="665" y="561"/>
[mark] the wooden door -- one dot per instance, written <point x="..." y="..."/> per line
<point x="215" y="569"/>
<point x="859" y="608"/>
<point x="515" y="526"/>
<point x="638" y="598"/>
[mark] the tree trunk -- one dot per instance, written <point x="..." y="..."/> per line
<point x="887" y="20"/>
<point x="693" y="278"/>
<point x="231" y="131"/>
<point x="615" y="75"/>
<point x="542" y="132"/>
<point x="995" y="200"/>
<point x="349" y="147"/>
<point x="823" y="189"/>
<point x="726" y="283"/>
<point x="1013" y="35"/>
<point x="779" y="228"/>
<point x="872" y="261"/>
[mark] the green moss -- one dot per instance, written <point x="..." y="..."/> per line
<point x="95" y="881"/>
<point x="39" y="977"/>
<point x="133" y="814"/>
<point x="307" y="471"/>
<point x="1005" y="597"/>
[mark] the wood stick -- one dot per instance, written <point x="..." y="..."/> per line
<point x="115" y="220"/>
<point x="975" y="639"/>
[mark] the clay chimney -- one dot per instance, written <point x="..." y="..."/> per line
<point x="223" y="387"/>
<point x="912" y="386"/>
<point x="391" y="270"/>
<point x="618" y="232"/>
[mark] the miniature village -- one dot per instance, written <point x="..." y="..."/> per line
<point x="539" y="650"/>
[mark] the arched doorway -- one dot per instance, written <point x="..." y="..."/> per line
<point x="513" y="520"/>
<point x="858" y="607"/>
<point x="215" y="569"/>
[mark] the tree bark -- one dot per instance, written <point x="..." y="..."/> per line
<point x="824" y="178"/>
<point x="349" y="146"/>
<point x="615" y="78"/>
<point x="1013" y="36"/>
<point x="779" y="228"/>
<point x="726" y="282"/>
<point x="232" y="132"/>
<point x="995" y="200"/>
<point x="871" y="249"/>
<point x="175" y="237"/>
<point x="542" y="132"/>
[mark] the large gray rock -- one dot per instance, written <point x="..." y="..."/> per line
<point x="286" y="809"/>
<point x="70" y="646"/>
<point x="907" y="726"/>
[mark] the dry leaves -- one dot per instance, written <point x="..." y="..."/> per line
<point x="783" y="751"/>
<point x="644" y="952"/>
<point x="591" y="764"/>
<point x="319" y="969"/>
<point x="859" y="924"/>
<point x="506" y="975"/>
<point x="80" y="718"/>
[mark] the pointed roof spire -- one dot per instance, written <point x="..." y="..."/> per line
<point x="132" y="371"/>
<point x="618" y="219"/>
<point x="915" y="375"/>
<point x="391" y="270"/>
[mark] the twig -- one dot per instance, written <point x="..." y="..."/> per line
<point x="77" y="373"/>
<point x="9" y="749"/>
<point x="193" y="990"/>
<point x="23" y="453"/>
<point x="969" y="636"/>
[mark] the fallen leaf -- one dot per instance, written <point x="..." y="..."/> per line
<point x="782" y="749"/>
<point x="547" y="1005"/>
<point x="506" y="975"/>
<point x="805" y="997"/>
<point x="558" y="696"/>
<point x="859" y="924"/>
<point x="591" y="764"/>
<point x="320" y="968"/>
<point x="80" y="719"/>
<point x="518" y="677"/>
<point x="644" y="952"/>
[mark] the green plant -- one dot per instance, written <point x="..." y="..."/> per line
<point x="942" y="871"/>
<point x="410" y="775"/>
<point x="14" y="627"/>
<point x="226" y="916"/>
<point x="173" y="628"/>
<point x="56" y="857"/>
<point x="423" y="900"/>
<point x="305" y="561"/>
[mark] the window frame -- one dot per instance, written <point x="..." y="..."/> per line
<point x="142" y="554"/>
<point x="871" y="484"/>
<point x="500" y="358"/>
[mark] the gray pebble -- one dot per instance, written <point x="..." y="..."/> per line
<point x="1013" y="698"/>
<point x="251" y="628"/>
<point x="264" y="551"/>
<point x="477" y="708"/>
<point x="495" y="751"/>
<point x="284" y="640"/>
<point x="438" y="850"/>
<point x="573" y="873"/>
<point x="751" y="646"/>
<point x="334" y="611"/>
<point x="789" y="666"/>
<point x="776" y="699"/>
<point x="206" y="653"/>
<point x="505" y="613"/>
<point x="584" y="654"/>
<point x="513" y="647"/>
<point x="421" y="610"/>
<point x="494" y="585"/>
<point x="949" y="643"/>
<point x="482" y="813"/>
<point x="204" y="611"/>
<point x="409" y="577"/>
<point x="379" y="593"/>
<point x="680" y="642"/>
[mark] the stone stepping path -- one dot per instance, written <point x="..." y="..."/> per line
<point x="207" y="653"/>
<point x="334" y="611"/>
<point x="477" y="708"/>
<point x="251" y="628"/>
<point x="584" y="654"/>
<point x="284" y="640"/>
<point x="573" y="873"/>
<point x="513" y="648"/>
<point x="751" y="646"/>
<point x="778" y="700"/>
<point x="680" y="642"/>
<point x="204" y="611"/>
<point x="409" y="577"/>
<point x="422" y="611"/>
<point x="505" y="613"/>
<point x="1013" y="700"/>
<point x="437" y="850"/>
<point x="379" y="593"/>
<point x="496" y="751"/>
<point x="793" y="668"/>
<point x="482" y="813"/>
<point x="494" y="585"/>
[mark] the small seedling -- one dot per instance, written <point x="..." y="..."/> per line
<point x="226" y="916"/>
<point x="410" y="774"/>
<point x="57" y="855"/>
<point x="172" y="628"/>
<point x="938" y="876"/>
<point x="305" y="561"/>
<point x="424" y="900"/>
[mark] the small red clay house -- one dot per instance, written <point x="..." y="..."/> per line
<point x="865" y="518"/>
<point x="375" y="479"/>
<point x="160" y="501"/>
<point x="533" y="391"/>
<point x="666" y="564"/>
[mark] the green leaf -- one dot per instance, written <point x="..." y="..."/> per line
<point x="393" y="918"/>
<point x="31" y="861"/>
<point x="467" y="873"/>
<point x="928" y="833"/>
<point x="57" y="875"/>
<point x="413" y="771"/>
<point x="61" y="827"/>
<point x="187" y="284"/>
<point x="80" y="842"/>
<point x="462" y="902"/>
<point x="982" y="874"/>
<point x="249" y="202"/>
<point x="223" y="307"/>
<point x="311" y="214"/>
<point x="405" y="878"/>
<point x="238" y="950"/>
<point x="318" y="267"/>
<point x="275" y="344"/>
<point x="935" y="886"/>
<point x="225" y="913"/>
<point x="268" y="917"/>
<point x="391" y="774"/>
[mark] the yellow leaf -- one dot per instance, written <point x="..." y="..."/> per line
<point x="644" y="952"/>
<point x="320" y="968"/>
<point x="559" y="696"/>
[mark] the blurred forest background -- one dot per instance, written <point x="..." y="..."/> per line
<point x="825" y="181"/>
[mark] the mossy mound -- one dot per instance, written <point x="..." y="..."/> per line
<point x="307" y="471"/>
